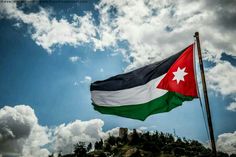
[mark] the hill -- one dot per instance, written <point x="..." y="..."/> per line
<point x="146" y="144"/>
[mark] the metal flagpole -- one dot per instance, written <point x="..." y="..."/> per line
<point x="208" y="111"/>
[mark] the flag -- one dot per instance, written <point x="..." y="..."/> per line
<point x="152" y="89"/>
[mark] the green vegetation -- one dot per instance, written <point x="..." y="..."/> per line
<point x="136" y="144"/>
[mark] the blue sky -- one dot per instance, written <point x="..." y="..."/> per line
<point x="36" y="69"/>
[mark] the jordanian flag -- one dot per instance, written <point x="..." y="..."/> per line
<point x="152" y="89"/>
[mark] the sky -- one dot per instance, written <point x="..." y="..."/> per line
<point x="50" y="53"/>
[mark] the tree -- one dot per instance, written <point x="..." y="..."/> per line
<point x="60" y="155"/>
<point x="134" y="138"/>
<point x="179" y="151"/>
<point x="51" y="155"/>
<point x="98" y="145"/>
<point x="151" y="146"/>
<point x="101" y="143"/>
<point x="111" y="140"/>
<point x="79" y="149"/>
<point x="170" y="138"/>
<point x="107" y="147"/>
<point x="89" y="147"/>
<point x="145" y="137"/>
<point x="167" y="148"/>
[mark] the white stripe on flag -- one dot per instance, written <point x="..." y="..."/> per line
<point x="132" y="96"/>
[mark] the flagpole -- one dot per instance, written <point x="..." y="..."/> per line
<point x="208" y="111"/>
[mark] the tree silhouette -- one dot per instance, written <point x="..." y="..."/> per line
<point x="79" y="149"/>
<point x="169" y="139"/>
<point x="134" y="138"/>
<point x="89" y="147"/>
<point x="145" y="137"/>
<point x="179" y="151"/>
<point x="51" y="155"/>
<point x="111" y="140"/>
<point x="98" y="145"/>
<point x="146" y="144"/>
<point x="60" y="154"/>
<point x="107" y="147"/>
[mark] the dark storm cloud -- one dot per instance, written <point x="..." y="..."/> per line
<point x="225" y="12"/>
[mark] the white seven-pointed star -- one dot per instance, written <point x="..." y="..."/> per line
<point x="179" y="75"/>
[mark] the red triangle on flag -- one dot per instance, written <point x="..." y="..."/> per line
<point x="180" y="78"/>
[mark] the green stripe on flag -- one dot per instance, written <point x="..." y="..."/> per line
<point x="164" y="103"/>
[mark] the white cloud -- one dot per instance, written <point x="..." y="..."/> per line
<point x="113" y="132"/>
<point x="143" y="128"/>
<point x="152" y="29"/>
<point x="232" y="106"/>
<point x="47" y="31"/>
<point x="227" y="143"/>
<point x="33" y="145"/>
<point x="20" y="132"/>
<point x="76" y="83"/>
<point x="21" y="135"/>
<point x="87" y="80"/>
<point x="143" y="25"/>
<point x="222" y="78"/>
<point x="74" y="58"/>
<point x="66" y="135"/>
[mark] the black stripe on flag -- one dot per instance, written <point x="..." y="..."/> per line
<point x="137" y="77"/>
